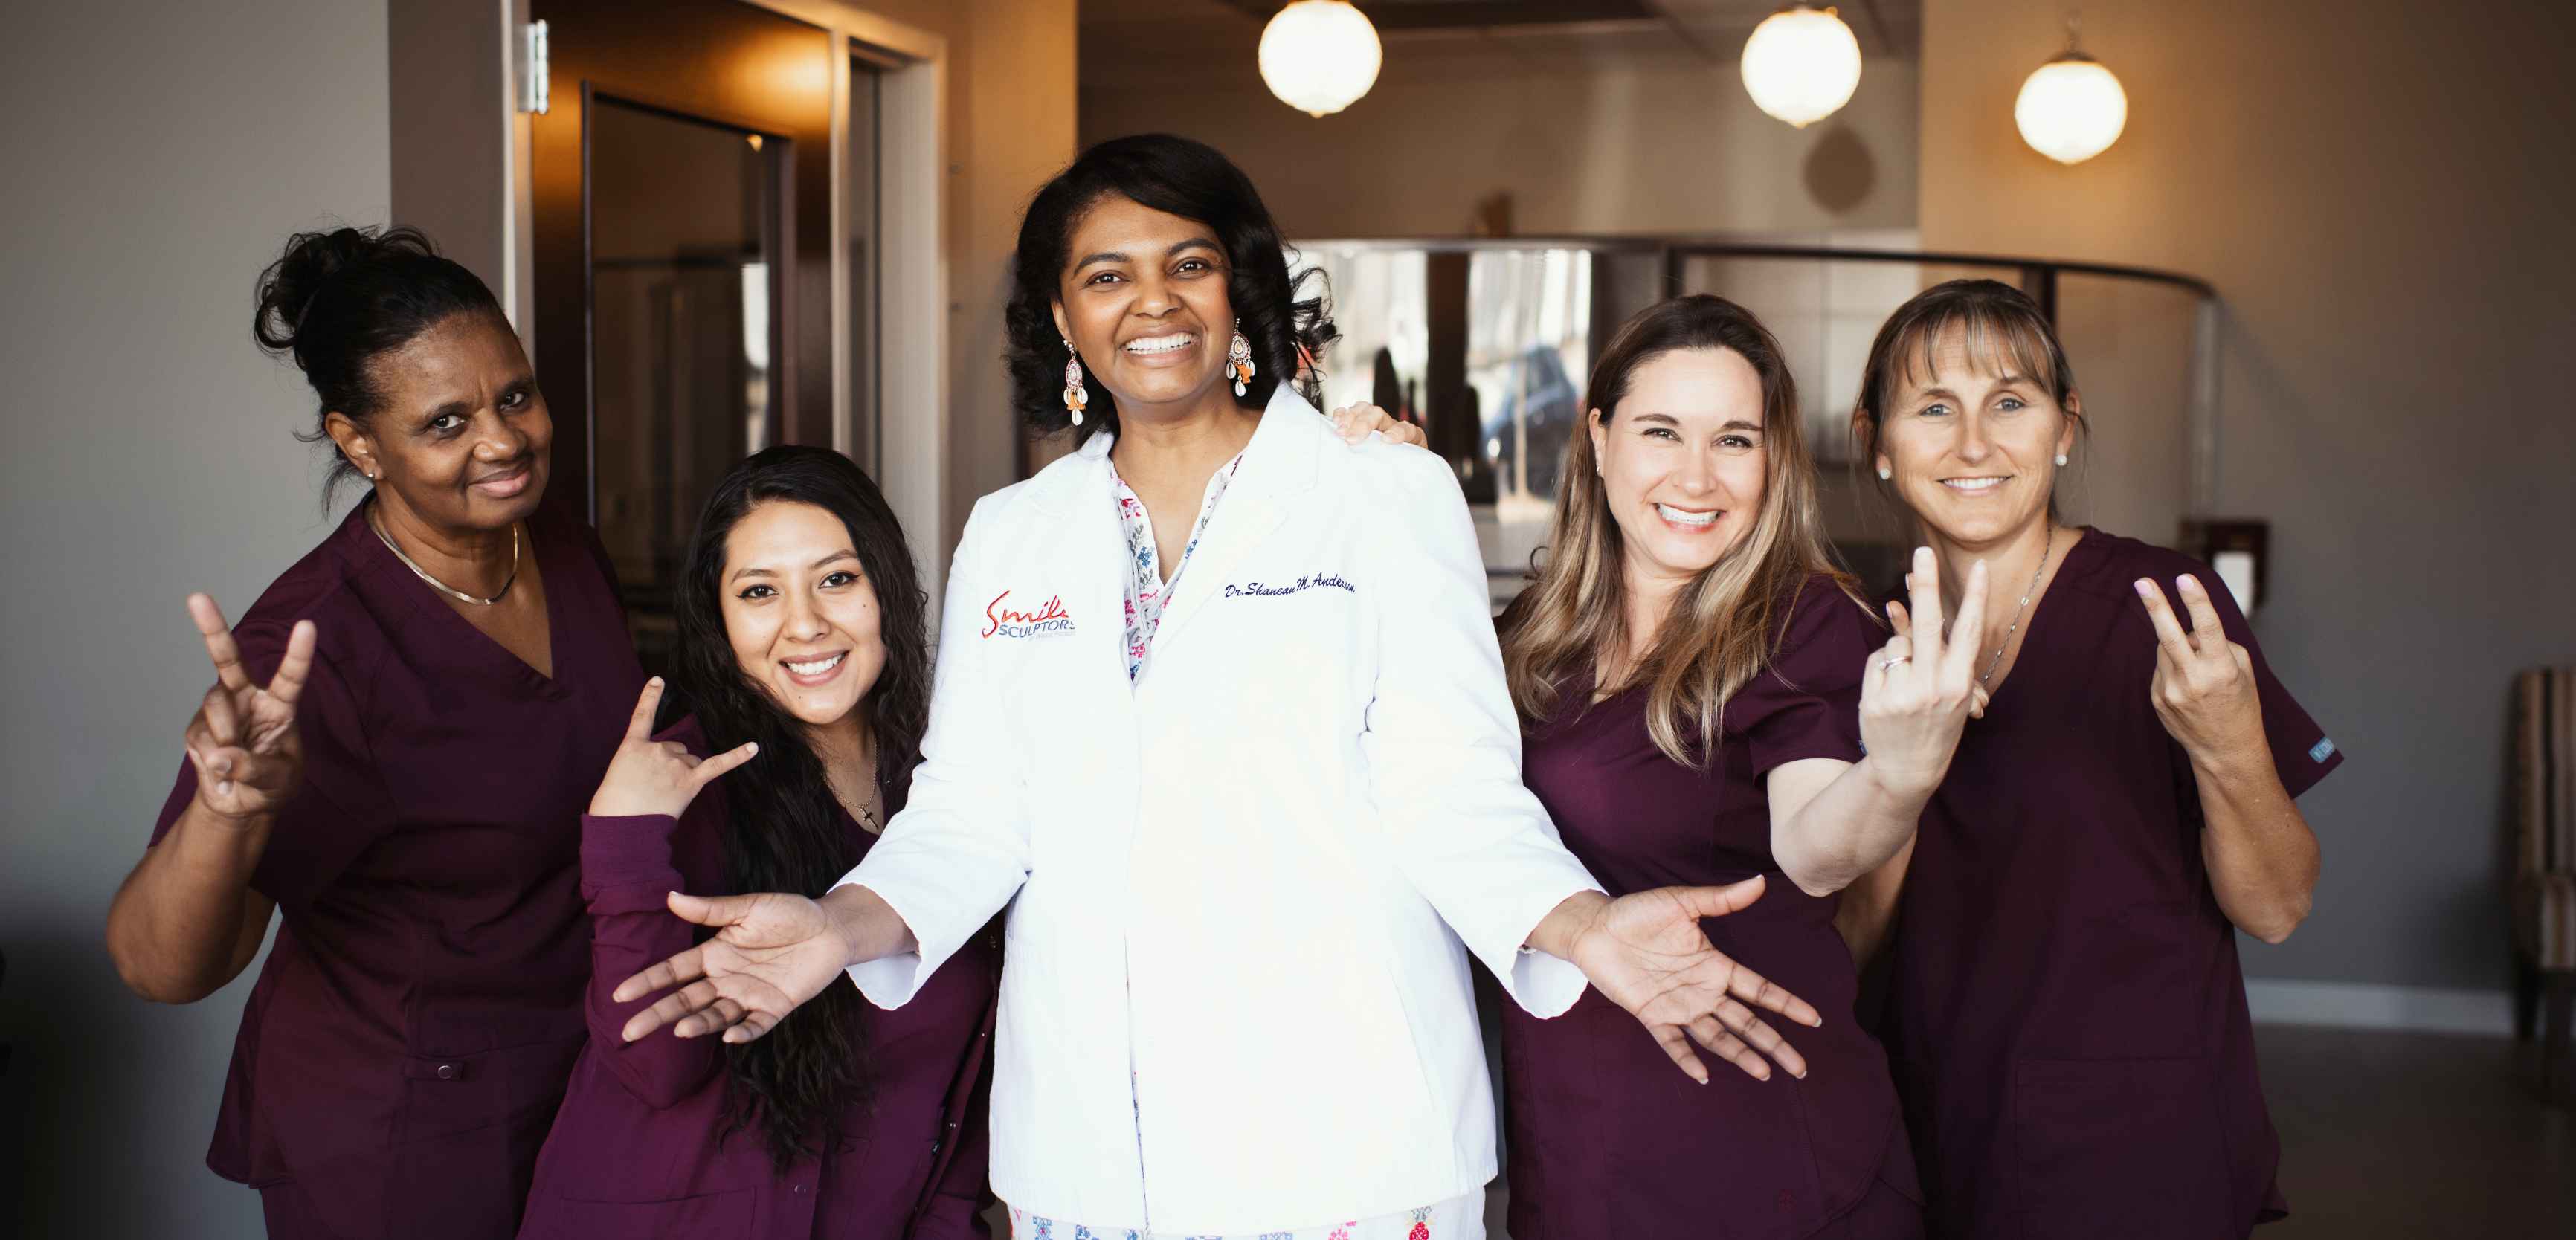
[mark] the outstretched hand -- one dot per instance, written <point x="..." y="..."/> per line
<point x="647" y="776"/>
<point x="771" y="953"/>
<point x="1646" y="953"/>
<point x="243" y="741"/>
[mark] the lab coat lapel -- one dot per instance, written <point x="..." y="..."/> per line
<point x="1278" y="466"/>
<point x="1092" y="555"/>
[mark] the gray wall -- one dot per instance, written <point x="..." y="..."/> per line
<point x="157" y="156"/>
<point x="2378" y="188"/>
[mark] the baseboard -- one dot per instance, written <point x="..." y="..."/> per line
<point x="2348" y="1005"/>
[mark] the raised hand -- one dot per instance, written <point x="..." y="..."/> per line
<point x="243" y="741"/>
<point x="1356" y="421"/>
<point x="2203" y="688"/>
<point x="771" y="953"/>
<point x="657" y="777"/>
<point x="1646" y="953"/>
<point x="1921" y="687"/>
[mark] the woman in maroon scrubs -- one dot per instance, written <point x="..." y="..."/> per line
<point x="1699" y="688"/>
<point x="2066" y="1014"/>
<point x="404" y="730"/>
<point x="804" y="650"/>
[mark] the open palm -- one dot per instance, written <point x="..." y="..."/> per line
<point x="771" y="953"/>
<point x="1647" y="953"/>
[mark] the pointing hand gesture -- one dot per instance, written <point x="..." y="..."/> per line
<point x="2204" y="684"/>
<point x="243" y="742"/>
<point x="1921" y="687"/>
<point x="657" y="777"/>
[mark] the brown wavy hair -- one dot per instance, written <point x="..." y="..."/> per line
<point x="1723" y="627"/>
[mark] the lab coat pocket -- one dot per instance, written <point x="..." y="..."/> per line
<point x="716" y="1216"/>
<point x="2113" y="1148"/>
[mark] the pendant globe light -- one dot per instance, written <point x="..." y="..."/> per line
<point x="1319" y="56"/>
<point x="2071" y="109"/>
<point x="1802" y="64"/>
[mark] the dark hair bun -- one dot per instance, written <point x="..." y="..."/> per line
<point x="337" y="300"/>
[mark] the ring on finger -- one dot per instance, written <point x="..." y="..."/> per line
<point x="1891" y="661"/>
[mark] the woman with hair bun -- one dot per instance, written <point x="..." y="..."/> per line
<point x="394" y="758"/>
<point x="1220" y="719"/>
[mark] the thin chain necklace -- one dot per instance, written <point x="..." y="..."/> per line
<point x="2033" y="588"/>
<point x="441" y="586"/>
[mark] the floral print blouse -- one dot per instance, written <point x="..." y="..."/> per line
<point x="1146" y="588"/>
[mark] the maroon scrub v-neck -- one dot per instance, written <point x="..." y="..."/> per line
<point x="1607" y="1138"/>
<point x="2066" y="1010"/>
<point x="402" y="1052"/>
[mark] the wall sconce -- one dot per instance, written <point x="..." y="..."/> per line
<point x="2071" y="109"/>
<point x="1801" y="64"/>
<point x="2237" y="549"/>
<point x="1320" y="56"/>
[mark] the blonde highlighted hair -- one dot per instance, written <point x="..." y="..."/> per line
<point x="1722" y="629"/>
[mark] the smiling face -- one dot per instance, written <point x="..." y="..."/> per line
<point x="1145" y="302"/>
<point x="1682" y="462"/>
<point x="461" y="437"/>
<point x="800" y="612"/>
<point x="1972" y="444"/>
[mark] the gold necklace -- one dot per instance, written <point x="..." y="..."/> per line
<point x="441" y="586"/>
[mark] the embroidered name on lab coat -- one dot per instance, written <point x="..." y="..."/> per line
<point x="1049" y="620"/>
<point x="1255" y="589"/>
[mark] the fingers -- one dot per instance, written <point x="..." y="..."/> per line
<point x="708" y="770"/>
<point x="1707" y="1032"/>
<point x="687" y="966"/>
<point x="1900" y="619"/>
<point x="639" y="726"/>
<point x="1883" y="663"/>
<point x="219" y="641"/>
<point x="1968" y="632"/>
<point x="2204" y="614"/>
<point x="1977" y="703"/>
<point x="1762" y="1037"/>
<point x="1720" y="901"/>
<point x="753" y="1025"/>
<point x="1357" y="422"/>
<point x="223" y="723"/>
<point x="288" y="684"/>
<point x="1678" y="1046"/>
<point x="675" y="1009"/>
<point x="1757" y="990"/>
<point x="710" y="910"/>
<point x="2169" y="632"/>
<point x="1923" y="586"/>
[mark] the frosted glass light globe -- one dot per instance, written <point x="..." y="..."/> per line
<point x="2071" y="109"/>
<point x="1801" y="65"/>
<point x="1319" y="56"/>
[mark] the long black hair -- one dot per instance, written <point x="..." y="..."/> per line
<point x="1183" y="178"/>
<point x="786" y="832"/>
<point x="335" y="301"/>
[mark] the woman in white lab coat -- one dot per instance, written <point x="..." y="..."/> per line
<point x="1219" y="715"/>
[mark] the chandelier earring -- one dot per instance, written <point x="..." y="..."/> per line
<point x="1238" y="358"/>
<point x="1076" y="397"/>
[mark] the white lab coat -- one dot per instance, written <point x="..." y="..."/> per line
<point x="1232" y="998"/>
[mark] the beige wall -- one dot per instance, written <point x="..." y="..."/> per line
<point x="2379" y="190"/>
<point x="1633" y="134"/>
<point x="158" y="156"/>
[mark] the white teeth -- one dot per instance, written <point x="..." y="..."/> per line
<point x="1162" y="344"/>
<point x="1679" y="517"/>
<point x="817" y="667"/>
<point x="1972" y="484"/>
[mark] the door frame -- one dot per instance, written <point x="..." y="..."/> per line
<point x="912" y="353"/>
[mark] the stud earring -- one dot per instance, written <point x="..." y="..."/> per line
<point x="2061" y="460"/>
<point x="1238" y="358"/>
<point x="1075" y="395"/>
<point x="1885" y="474"/>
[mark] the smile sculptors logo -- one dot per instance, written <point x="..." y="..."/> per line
<point x="1049" y="620"/>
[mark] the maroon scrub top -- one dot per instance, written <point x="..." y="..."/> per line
<point x="1607" y="1137"/>
<point x="402" y="1052"/>
<point x="642" y="1149"/>
<point x="2065" y="1009"/>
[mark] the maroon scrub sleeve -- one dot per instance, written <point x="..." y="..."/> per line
<point x="626" y="879"/>
<point x="342" y="807"/>
<point x="1807" y="703"/>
